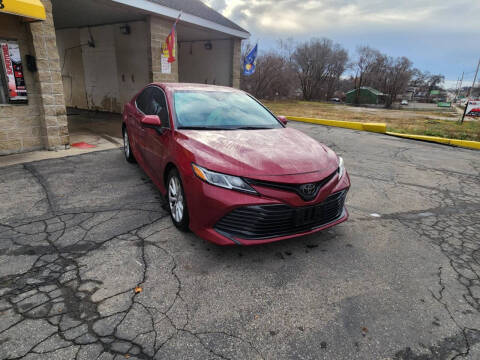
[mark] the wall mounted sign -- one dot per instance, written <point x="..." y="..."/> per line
<point x="166" y="66"/>
<point x="13" y="69"/>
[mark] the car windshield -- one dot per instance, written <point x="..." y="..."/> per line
<point x="221" y="110"/>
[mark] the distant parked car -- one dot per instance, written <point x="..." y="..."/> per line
<point x="335" y="99"/>
<point x="404" y="102"/>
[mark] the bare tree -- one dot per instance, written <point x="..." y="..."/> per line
<point x="433" y="83"/>
<point x="425" y="82"/>
<point x="368" y="60"/>
<point x="338" y="65"/>
<point x="315" y="69"/>
<point x="274" y="77"/>
<point x="318" y="63"/>
<point x="419" y="78"/>
<point x="385" y="73"/>
<point x="398" y="73"/>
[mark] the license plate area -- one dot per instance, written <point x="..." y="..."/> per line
<point x="307" y="215"/>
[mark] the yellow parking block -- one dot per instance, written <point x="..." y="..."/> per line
<point x="466" y="143"/>
<point x="436" y="139"/>
<point x="375" y="127"/>
<point x="455" y="142"/>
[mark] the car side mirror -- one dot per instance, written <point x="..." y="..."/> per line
<point x="151" y="121"/>
<point x="283" y="120"/>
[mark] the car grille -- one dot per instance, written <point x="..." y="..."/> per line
<point x="296" y="188"/>
<point x="267" y="221"/>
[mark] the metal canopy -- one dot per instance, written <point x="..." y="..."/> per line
<point x="30" y="9"/>
<point x="81" y="13"/>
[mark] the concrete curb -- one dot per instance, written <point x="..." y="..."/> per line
<point x="454" y="142"/>
<point x="372" y="127"/>
<point x="382" y="129"/>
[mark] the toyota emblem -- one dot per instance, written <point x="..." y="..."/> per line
<point x="307" y="189"/>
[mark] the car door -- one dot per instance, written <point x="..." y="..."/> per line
<point x="157" y="141"/>
<point x="138" y="130"/>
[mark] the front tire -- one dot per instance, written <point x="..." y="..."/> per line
<point x="127" y="149"/>
<point x="176" y="201"/>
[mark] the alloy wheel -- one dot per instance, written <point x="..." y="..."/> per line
<point x="175" y="198"/>
<point x="126" y="144"/>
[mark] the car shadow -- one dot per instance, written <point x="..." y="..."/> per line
<point x="281" y="250"/>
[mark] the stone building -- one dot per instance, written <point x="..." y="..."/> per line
<point x="96" y="54"/>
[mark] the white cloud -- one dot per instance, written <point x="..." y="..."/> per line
<point x="438" y="35"/>
<point x="279" y="17"/>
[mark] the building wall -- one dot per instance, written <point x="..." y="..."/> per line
<point x="159" y="29"/>
<point x="365" y="97"/>
<point x="103" y="77"/>
<point x="106" y="76"/>
<point x="132" y="60"/>
<point x="54" y="114"/>
<point x="71" y="60"/>
<point x="42" y="123"/>
<point x="100" y="67"/>
<point x="20" y="127"/>
<point x="199" y="65"/>
<point x="236" y="61"/>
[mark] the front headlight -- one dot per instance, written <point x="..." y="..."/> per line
<point x="222" y="180"/>
<point x="341" y="167"/>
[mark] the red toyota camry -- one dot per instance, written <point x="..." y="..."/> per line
<point x="230" y="170"/>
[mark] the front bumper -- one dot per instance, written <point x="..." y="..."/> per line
<point x="228" y="217"/>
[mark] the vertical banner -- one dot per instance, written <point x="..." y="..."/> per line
<point x="250" y="61"/>
<point x="13" y="69"/>
<point x="169" y="47"/>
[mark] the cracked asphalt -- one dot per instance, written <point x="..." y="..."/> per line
<point x="91" y="266"/>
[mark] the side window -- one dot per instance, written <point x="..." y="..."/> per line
<point x="143" y="100"/>
<point x="159" y="106"/>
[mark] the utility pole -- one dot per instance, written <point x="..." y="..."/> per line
<point x="456" y="90"/>
<point x="474" y="79"/>
<point x="461" y="81"/>
<point x="469" y="92"/>
<point x="459" y="87"/>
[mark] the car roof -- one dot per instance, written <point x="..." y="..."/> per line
<point x="192" y="86"/>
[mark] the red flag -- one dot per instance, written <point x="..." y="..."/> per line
<point x="170" y="46"/>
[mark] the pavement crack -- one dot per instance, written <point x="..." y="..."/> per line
<point x="43" y="184"/>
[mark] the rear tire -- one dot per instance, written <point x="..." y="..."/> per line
<point x="176" y="201"/>
<point x="127" y="149"/>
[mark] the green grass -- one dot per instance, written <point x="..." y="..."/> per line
<point x="418" y="122"/>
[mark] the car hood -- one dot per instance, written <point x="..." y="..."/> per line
<point x="263" y="154"/>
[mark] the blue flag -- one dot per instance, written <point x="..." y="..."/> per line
<point x="250" y="61"/>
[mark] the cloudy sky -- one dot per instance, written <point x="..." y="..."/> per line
<point x="441" y="36"/>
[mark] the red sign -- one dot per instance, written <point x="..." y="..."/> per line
<point x="12" y="66"/>
<point x="473" y="108"/>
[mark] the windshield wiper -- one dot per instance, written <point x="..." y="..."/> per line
<point x="250" y="128"/>
<point x="201" y="128"/>
<point x="222" y="128"/>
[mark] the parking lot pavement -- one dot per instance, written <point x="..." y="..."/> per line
<point x="91" y="266"/>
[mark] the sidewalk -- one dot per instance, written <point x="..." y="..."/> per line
<point x="103" y="130"/>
